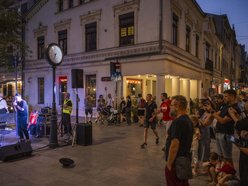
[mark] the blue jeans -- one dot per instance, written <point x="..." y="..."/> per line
<point x="22" y="127"/>
<point x="224" y="146"/>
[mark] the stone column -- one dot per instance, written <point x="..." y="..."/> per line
<point x="160" y="87"/>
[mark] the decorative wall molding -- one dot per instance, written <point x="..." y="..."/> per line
<point x="40" y="31"/>
<point x="91" y="16"/>
<point x="62" y="25"/>
<point x="98" y="56"/>
<point x="176" y="8"/>
<point x="36" y="8"/>
<point x="126" y="6"/>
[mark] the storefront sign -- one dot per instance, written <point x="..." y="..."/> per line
<point x="106" y="78"/>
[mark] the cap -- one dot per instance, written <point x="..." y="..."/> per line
<point x="219" y="96"/>
<point x="228" y="169"/>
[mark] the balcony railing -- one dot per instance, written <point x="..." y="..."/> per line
<point x="209" y="65"/>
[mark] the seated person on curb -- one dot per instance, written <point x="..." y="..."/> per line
<point x="226" y="176"/>
<point x="211" y="166"/>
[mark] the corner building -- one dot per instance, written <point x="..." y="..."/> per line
<point x="160" y="46"/>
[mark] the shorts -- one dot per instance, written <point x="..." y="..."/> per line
<point x="224" y="146"/>
<point x="88" y="111"/>
<point x="152" y="124"/>
<point x="141" y="112"/>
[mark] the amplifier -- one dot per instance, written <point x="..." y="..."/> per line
<point x="18" y="150"/>
<point x="84" y="134"/>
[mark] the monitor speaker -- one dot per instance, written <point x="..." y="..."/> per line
<point x="14" y="151"/>
<point x="77" y="78"/>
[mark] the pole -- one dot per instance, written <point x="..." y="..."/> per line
<point x="77" y="100"/>
<point x="15" y="63"/>
<point x="53" y="140"/>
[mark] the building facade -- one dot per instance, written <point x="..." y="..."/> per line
<point x="159" y="46"/>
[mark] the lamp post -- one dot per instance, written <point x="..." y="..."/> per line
<point x="54" y="57"/>
<point x="53" y="140"/>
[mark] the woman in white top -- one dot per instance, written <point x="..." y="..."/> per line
<point x="3" y="105"/>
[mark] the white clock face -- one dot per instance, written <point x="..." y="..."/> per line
<point x="55" y="54"/>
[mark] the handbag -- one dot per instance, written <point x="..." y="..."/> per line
<point x="183" y="168"/>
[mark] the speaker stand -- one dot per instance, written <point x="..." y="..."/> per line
<point x="77" y="101"/>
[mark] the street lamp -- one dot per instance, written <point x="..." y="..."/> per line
<point x="54" y="57"/>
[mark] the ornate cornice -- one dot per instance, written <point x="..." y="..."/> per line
<point x="41" y="30"/>
<point x="97" y="56"/>
<point x="126" y="6"/>
<point x="35" y="9"/>
<point x="62" y="24"/>
<point x="176" y="7"/>
<point x="91" y="16"/>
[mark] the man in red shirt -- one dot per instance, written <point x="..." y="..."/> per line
<point x="165" y="109"/>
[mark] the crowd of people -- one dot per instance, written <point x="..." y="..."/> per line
<point x="189" y="129"/>
<point x="222" y="118"/>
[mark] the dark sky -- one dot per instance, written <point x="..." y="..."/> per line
<point x="237" y="13"/>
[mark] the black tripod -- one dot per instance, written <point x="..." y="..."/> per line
<point x="74" y="129"/>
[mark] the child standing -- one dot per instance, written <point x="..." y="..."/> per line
<point x="195" y="144"/>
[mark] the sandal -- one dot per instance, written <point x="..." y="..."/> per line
<point x="157" y="141"/>
<point x="143" y="145"/>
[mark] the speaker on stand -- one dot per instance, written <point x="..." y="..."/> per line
<point x="77" y="81"/>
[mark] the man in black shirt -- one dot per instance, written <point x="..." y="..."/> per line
<point x="150" y="119"/>
<point x="225" y="126"/>
<point x="179" y="139"/>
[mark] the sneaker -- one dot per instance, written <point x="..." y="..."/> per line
<point x="157" y="141"/>
<point x="143" y="145"/>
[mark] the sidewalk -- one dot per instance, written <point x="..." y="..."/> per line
<point x="115" y="158"/>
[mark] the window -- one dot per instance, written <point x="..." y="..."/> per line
<point x="126" y="29"/>
<point x="41" y="90"/>
<point x="91" y="87"/>
<point x="41" y="47"/>
<point x="197" y="45"/>
<point x="175" y="30"/>
<point x="60" y="5"/>
<point x="207" y="51"/>
<point x="188" y="32"/>
<point x="70" y="3"/>
<point x="90" y="36"/>
<point x="62" y="35"/>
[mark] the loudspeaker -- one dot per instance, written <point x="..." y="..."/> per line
<point x="77" y="78"/>
<point x="84" y="134"/>
<point x="18" y="150"/>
